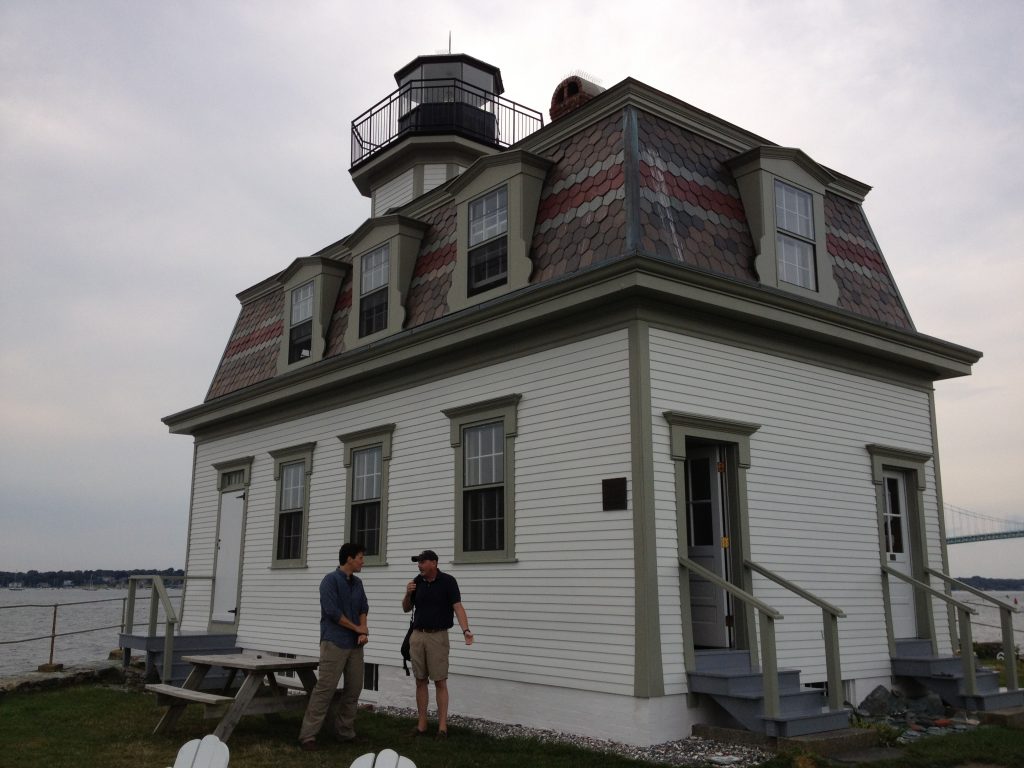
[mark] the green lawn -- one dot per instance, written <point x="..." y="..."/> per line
<point x="93" y="726"/>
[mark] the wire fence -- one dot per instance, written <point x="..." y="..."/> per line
<point x="54" y="634"/>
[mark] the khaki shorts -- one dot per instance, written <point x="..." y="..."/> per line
<point x="428" y="653"/>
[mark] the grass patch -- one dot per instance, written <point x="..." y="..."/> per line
<point x="92" y="726"/>
<point x="86" y="726"/>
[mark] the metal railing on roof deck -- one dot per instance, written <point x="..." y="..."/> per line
<point x="441" y="106"/>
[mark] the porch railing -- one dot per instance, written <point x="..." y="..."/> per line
<point x="1006" y="612"/>
<point x="830" y="616"/>
<point x="963" y="612"/>
<point x="158" y="598"/>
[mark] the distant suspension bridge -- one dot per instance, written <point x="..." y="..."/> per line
<point x="964" y="526"/>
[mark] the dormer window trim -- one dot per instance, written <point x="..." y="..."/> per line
<point x="383" y="253"/>
<point x="516" y="176"/>
<point x="791" y="250"/>
<point x="310" y="287"/>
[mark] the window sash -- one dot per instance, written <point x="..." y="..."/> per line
<point x="488" y="216"/>
<point x="484" y="455"/>
<point x="302" y="303"/>
<point x="289" y="535"/>
<point x="366" y="474"/>
<point x="483" y="520"/>
<point x="293" y="486"/>
<point x="375" y="270"/>
<point x="796" y="261"/>
<point x="793" y="210"/>
<point x="366" y="526"/>
<point x="373" y="312"/>
<point x="488" y="265"/>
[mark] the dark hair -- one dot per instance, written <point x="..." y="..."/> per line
<point x="350" y="549"/>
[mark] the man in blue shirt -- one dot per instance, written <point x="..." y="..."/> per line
<point x="343" y="633"/>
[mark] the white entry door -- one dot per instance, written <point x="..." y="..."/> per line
<point x="705" y="504"/>
<point x="229" y="554"/>
<point x="898" y="555"/>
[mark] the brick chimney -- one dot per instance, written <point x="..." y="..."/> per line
<point x="571" y="94"/>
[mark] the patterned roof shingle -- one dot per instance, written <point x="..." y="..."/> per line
<point x="690" y="212"/>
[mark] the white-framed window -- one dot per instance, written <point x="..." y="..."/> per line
<point x="483" y="439"/>
<point x="794" y="236"/>
<point x="367" y="457"/>
<point x="292" y="469"/>
<point x="300" y="327"/>
<point x="488" y="241"/>
<point x="373" y="290"/>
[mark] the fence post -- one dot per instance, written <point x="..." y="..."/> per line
<point x="50" y="666"/>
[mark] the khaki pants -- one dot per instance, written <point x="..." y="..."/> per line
<point x="335" y="662"/>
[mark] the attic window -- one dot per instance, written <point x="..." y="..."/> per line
<point x="488" y="241"/>
<point x="300" y="333"/>
<point x="373" y="294"/>
<point x="794" y="238"/>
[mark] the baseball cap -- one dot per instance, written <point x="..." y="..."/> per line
<point x="426" y="554"/>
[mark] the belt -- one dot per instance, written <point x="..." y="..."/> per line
<point x="421" y="629"/>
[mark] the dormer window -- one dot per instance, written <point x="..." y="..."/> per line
<point x="783" y="193"/>
<point x="488" y="241"/>
<point x="300" y="332"/>
<point x="373" y="293"/>
<point x="794" y="238"/>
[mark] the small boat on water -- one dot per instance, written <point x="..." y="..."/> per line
<point x="15" y="585"/>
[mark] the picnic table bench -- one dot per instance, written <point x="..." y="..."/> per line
<point x="252" y="697"/>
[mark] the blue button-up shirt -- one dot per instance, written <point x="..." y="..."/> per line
<point x="341" y="595"/>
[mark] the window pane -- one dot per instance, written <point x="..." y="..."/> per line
<point x="488" y="216"/>
<point x="484" y="451"/>
<point x="375" y="270"/>
<point x="366" y="471"/>
<point x="300" y="341"/>
<point x="795" y="261"/>
<point x="701" y="507"/>
<point x="293" y="485"/>
<point x="366" y="526"/>
<point x="289" y="536"/>
<point x="483" y="523"/>
<point x="488" y="265"/>
<point x="373" y="312"/>
<point x="793" y="210"/>
<point x="302" y="303"/>
<point x="893" y="516"/>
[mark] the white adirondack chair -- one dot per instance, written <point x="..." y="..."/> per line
<point x="386" y="758"/>
<point x="209" y="752"/>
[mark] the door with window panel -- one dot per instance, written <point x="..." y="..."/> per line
<point x="707" y="534"/>
<point x="898" y="555"/>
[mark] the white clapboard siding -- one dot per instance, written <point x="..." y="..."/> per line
<point x="434" y="175"/>
<point x="563" y="614"/>
<point x="397" y="191"/>
<point x="811" y="500"/>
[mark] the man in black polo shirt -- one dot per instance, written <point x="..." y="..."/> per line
<point x="437" y="601"/>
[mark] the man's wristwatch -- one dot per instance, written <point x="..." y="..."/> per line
<point x="466" y="631"/>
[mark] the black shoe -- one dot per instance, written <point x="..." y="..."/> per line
<point x="309" y="746"/>
<point x="416" y="733"/>
<point x="442" y="736"/>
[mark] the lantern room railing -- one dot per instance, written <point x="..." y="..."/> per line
<point x="424" y="107"/>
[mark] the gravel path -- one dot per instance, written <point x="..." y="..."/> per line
<point x="691" y="751"/>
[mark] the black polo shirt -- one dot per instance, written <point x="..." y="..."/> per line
<point x="433" y="601"/>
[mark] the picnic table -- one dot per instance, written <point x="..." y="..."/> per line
<point x="252" y="697"/>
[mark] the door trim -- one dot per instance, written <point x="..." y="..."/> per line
<point x="232" y="477"/>
<point x="735" y="437"/>
<point x="912" y="464"/>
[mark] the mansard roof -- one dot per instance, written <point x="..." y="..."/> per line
<point x="632" y="172"/>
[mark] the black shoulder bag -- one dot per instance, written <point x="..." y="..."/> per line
<point x="406" y="654"/>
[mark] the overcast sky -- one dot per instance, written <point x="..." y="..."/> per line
<point x="156" y="158"/>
